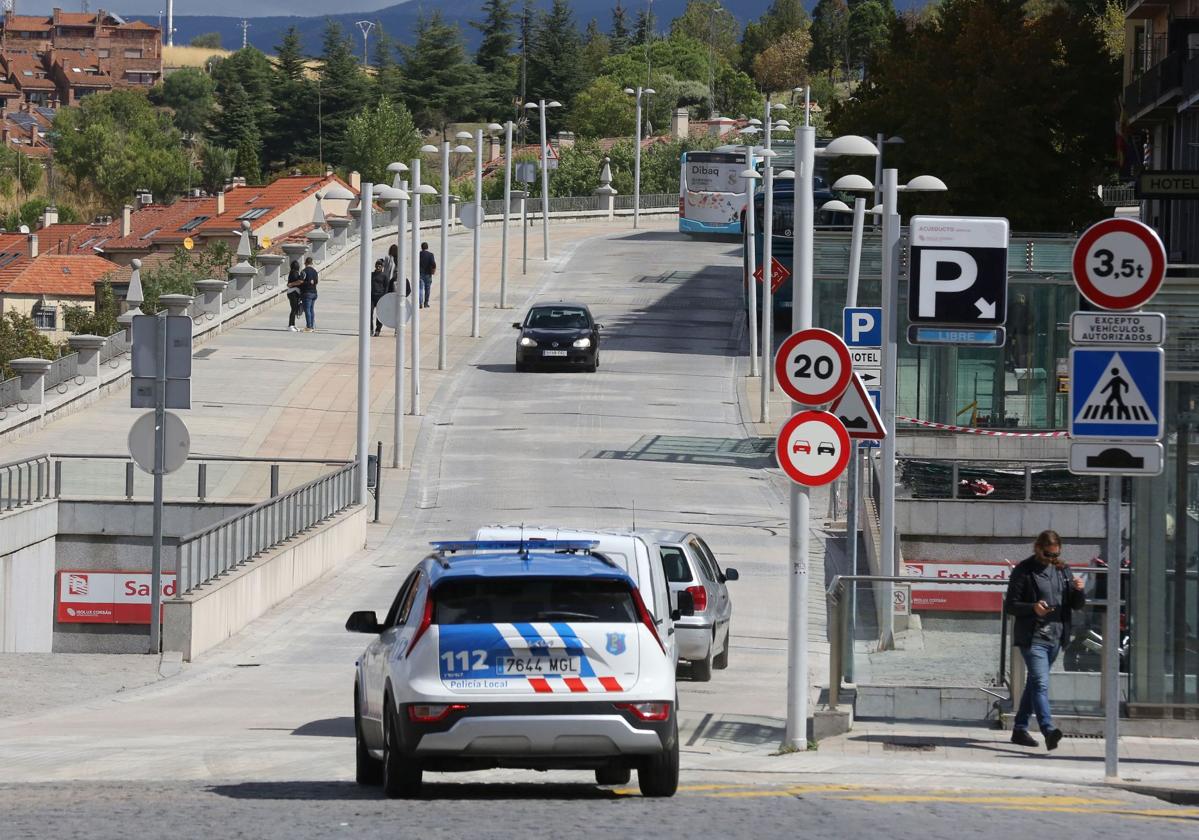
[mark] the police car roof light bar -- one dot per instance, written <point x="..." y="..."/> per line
<point x="522" y="546"/>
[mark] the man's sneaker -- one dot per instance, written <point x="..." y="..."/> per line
<point x="1052" y="738"/>
<point x="292" y="328"/>
<point x="1021" y="737"/>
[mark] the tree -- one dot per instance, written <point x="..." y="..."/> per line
<point x="190" y="93"/>
<point x="709" y="22"/>
<point x="209" y="40"/>
<point x="554" y="71"/>
<point x="782" y="17"/>
<point x="869" y="24"/>
<point x="619" y="36"/>
<point x="30" y="213"/>
<point x="595" y="49"/>
<point x="216" y="169"/>
<point x="344" y="90"/>
<point x="236" y="128"/>
<point x="994" y="104"/>
<point x="291" y="137"/>
<point x="494" y="56"/>
<point x="644" y="28"/>
<point x="602" y="109"/>
<point x="17" y="170"/>
<point x="784" y="64"/>
<point x="118" y="143"/>
<point x="830" y="36"/>
<point x="388" y="77"/>
<point x="379" y="135"/>
<point x="20" y="339"/>
<point x="79" y="320"/>
<point x="440" y="84"/>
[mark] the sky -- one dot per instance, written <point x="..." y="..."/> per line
<point x="261" y="8"/>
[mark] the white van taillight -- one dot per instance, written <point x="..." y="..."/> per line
<point x="647" y="711"/>
<point x="647" y="619"/>
<point x="425" y="620"/>
<point x="427" y="713"/>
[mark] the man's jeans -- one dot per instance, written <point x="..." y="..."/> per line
<point x="310" y="311"/>
<point x="426" y="284"/>
<point x="1038" y="658"/>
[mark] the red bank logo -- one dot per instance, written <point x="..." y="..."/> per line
<point x="77" y="585"/>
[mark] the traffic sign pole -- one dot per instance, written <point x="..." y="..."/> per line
<point x="768" y="288"/>
<point x="890" y="300"/>
<point x="160" y="410"/>
<point x="1111" y="635"/>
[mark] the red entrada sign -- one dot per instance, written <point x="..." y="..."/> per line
<point x="778" y="274"/>
<point x="963" y="598"/>
<point x="94" y="597"/>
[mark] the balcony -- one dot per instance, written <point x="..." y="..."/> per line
<point x="1156" y="87"/>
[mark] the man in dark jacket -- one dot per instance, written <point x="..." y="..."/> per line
<point x="1041" y="594"/>
<point x="308" y="294"/>
<point x="380" y="285"/>
<point x="428" y="267"/>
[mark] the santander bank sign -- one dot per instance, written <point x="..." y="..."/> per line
<point x="102" y="597"/>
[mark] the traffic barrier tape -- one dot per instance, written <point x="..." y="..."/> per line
<point x="948" y="427"/>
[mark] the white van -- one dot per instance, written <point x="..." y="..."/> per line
<point x="630" y="551"/>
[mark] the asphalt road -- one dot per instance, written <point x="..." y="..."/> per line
<point x="255" y="741"/>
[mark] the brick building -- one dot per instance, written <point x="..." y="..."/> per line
<point x="62" y="57"/>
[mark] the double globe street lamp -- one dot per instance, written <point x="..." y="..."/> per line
<point x="637" y="94"/>
<point x="542" y="106"/>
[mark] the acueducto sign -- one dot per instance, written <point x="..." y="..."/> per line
<point x="957" y="598"/>
<point x="91" y="597"/>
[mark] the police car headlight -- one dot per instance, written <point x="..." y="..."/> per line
<point x="525" y="341"/>
<point x="582" y="343"/>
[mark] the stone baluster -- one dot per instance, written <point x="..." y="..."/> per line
<point x="338" y="226"/>
<point x="269" y="266"/>
<point x="33" y="379"/>
<point x="211" y="293"/>
<point x="176" y="304"/>
<point x="605" y="191"/>
<point x="88" y="347"/>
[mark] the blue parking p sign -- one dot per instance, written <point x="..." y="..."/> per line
<point x="863" y="326"/>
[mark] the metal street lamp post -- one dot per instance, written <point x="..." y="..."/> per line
<point x="803" y="232"/>
<point x="507" y="214"/>
<point x="401" y="194"/>
<point x="638" y="93"/>
<point x="417" y="190"/>
<point x="768" y="156"/>
<point x="365" y="264"/>
<point x="542" y="106"/>
<point x="751" y="292"/>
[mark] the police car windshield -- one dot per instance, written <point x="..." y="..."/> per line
<point x="510" y="600"/>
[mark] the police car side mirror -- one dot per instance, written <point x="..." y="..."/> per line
<point x="686" y="604"/>
<point x="731" y="574"/>
<point x="363" y="621"/>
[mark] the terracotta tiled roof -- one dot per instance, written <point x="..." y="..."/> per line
<point x="74" y="18"/>
<point x="27" y="72"/>
<point x="138" y="24"/>
<point x="120" y="274"/>
<point x="7" y="88"/>
<point x="154" y="223"/>
<point x="59" y="238"/>
<point x="26" y="23"/>
<point x="272" y="199"/>
<point x="54" y="274"/>
<point x="81" y="67"/>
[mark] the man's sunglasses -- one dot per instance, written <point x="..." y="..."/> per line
<point x="1052" y="555"/>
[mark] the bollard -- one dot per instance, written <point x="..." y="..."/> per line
<point x="128" y="479"/>
<point x="274" y="480"/>
<point x="836" y="648"/>
<point x="202" y="481"/>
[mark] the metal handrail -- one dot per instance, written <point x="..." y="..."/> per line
<point x="62" y="370"/>
<point x="10" y="392"/>
<point x="211" y="551"/>
<point x="25" y="481"/>
<point x="328" y="462"/>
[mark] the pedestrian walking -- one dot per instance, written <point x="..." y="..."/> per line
<point x="1041" y="594"/>
<point x="308" y="294"/>
<point x="428" y="267"/>
<point x="380" y="285"/>
<point x="295" y="279"/>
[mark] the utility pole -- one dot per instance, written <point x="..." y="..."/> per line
<point x="170" y="23"/>
<point x="366" y="26"/>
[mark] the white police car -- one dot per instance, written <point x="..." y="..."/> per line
<point x="516" y="654"/>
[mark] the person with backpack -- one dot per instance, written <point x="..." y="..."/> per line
<point x="381" y="284"/>
<point x="295" y="279"/>
<point x="308" y="294"/>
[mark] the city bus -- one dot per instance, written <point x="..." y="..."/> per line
<point x="781" y="248"/>
<point x="712" y="191"/>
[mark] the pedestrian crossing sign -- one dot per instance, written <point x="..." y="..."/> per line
<point x="1117" y="392"/>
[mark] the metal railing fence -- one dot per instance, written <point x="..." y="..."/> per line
<point x="62" y="371"/>
<point x="214" y="550"/>
<point x="25" y="482"/>
<point x="10" y="392"/>
<point x="649" y="201"/>
<point x="113" y="349"/>
<point x="1026" y="480"/>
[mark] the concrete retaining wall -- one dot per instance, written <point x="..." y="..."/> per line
<point x="27" y="546"/>
<point x="208" y="616"/>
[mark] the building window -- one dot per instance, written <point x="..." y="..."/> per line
<point x="45" y="317"/>
<point x="133" y="53"/>
<point x="102" y="53"/>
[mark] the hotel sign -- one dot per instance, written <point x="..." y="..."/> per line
<point x="1175" y="184"/>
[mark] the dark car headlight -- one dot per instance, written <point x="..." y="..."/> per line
<point x="582" y="343"/>
<point x="525" y="341"/>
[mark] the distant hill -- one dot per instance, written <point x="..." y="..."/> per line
<point x="399" y="21"/>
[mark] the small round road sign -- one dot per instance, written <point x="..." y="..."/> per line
<point x="385" y="310"/>
<point x="813" y="366"/>
<point x="177" y="442"/>
<point x="1119" y="263"/>
<point x="812" y="448"/>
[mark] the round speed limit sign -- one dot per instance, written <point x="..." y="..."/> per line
<point x="1119" y="264"/>
<point x="813" y="366"/>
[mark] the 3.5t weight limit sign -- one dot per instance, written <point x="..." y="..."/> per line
<point x="1119" y="263"/>
<point x="813" y="366"/>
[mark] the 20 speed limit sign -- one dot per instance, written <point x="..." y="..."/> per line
<point x="1119" y="264"/>
<point x="813" y="366"/>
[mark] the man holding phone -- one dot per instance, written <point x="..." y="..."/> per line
<point x="1041" y="594"/>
